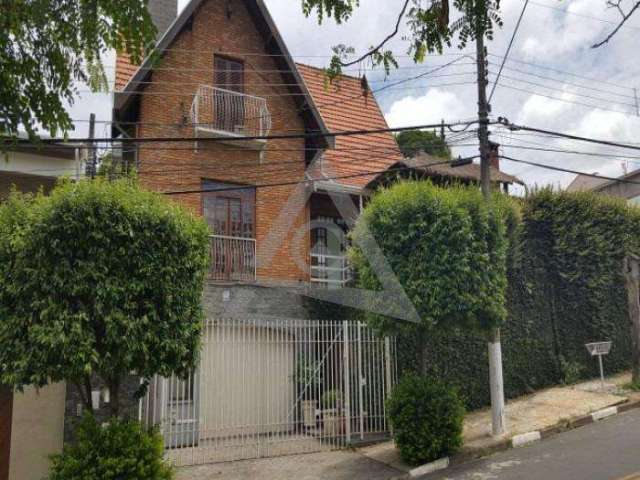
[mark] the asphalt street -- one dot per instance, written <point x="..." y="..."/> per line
<point x="605" y="450"/>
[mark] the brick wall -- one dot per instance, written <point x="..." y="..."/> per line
<point x="167" y="100"/>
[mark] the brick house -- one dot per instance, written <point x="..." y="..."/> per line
<point x="279" y="210"/>
<point x="240" y="81"/>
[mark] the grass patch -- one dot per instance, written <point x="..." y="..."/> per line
<point x="632" y="386"/>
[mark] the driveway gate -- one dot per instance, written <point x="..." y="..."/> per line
<point x="266" y="388"/>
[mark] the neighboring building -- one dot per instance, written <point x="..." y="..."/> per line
<point x="623" y="187"/>
<point x="31" y="421"/>
<point x="425" y="166"/>
<point x="30" y="168"/>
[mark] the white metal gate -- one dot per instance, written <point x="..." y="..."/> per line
<point x="274" y="387"/>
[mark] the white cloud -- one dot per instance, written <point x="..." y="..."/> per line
<point x="431" y="108"/>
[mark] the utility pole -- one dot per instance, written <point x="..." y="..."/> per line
<point x="498" y="417"/>
<point x="92" y="160"/>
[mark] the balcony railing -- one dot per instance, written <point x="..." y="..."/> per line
<point x="225" y="113"/>
<point x="332" y="271"/>
<point x="233" y="258"/>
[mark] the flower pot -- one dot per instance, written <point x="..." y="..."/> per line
<point x="309" y="413"/>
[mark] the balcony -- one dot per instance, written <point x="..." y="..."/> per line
<point x="233" y="259"/>
<point x="331" y="271"/>
<point x="226" y="114"/>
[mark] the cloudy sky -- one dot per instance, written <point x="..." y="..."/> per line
<point x="552" y="80"/>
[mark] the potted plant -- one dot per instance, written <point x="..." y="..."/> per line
<point x="308" y="377"/>
<point x="332" y="417"/>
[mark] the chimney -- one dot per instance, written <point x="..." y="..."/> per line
<point x="163" y="13"/>
<point x="494" y="152"/>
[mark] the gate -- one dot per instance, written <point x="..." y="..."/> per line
<point x="267" y="388"/>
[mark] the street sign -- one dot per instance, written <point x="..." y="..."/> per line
<point x="598" y="349"/>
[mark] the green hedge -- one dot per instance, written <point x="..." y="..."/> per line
<point x="426" y="416"/>
<point x="565" y="289"/>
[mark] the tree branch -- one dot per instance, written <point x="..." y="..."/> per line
<point x="384" y="42"/>
<point x="622" y="22"/>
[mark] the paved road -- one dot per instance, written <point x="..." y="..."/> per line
<point x="606" y="450"/>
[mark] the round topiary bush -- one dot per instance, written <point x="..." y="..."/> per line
<point x="122" y="449"/>
<point x="426" y="416"/>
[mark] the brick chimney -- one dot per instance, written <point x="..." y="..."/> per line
<point x="163" y="13"/>
<point x="494" y="152"/>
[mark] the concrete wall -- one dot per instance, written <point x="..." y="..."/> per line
<point x="36" y="431"/>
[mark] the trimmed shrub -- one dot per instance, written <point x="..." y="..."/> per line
<point x="119" y="450"/>
<point x="99" y="279"/>
<point x="427" y="418"/>
<point x="565" y="288"/>
<point x="447" y="248"/>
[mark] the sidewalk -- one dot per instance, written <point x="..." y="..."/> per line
<point x="554" y="407"/>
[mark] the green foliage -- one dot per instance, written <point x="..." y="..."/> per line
<point x="332" y="399"/>
<point x="572" y="371"/>
<point x="427" y="418"/>
<point x="448" y="249"/>
<point x="100" y="278"/>
<point x="634" y="387"/>
<point x="46" y="46"/>
<point x="119" y="450"/>
<point x="565" y="289"/>
<point x="432" y="27"/>
<point x="413" y="142"/>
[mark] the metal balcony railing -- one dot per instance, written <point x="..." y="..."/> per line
<point x="221" y="112"/>
<point x="233" y="258"/>
<point x="332" y="271"/>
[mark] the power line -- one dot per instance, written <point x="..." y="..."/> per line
<point x="301" y="182"/>
<point x="340" y="133"/>
<point x="505" y="122"/>
<point x="506" y="55"/>
<point x="567" y="170"/>
<point x="565" y="72"/>
<point x="565" y="82"/>
<point x="565" y="100"/>
<point x="564" y="91"/>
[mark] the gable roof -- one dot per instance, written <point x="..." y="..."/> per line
<point x="433" y="166"/>
<point x="344" y="105"/>
<point x="273" y="40"/>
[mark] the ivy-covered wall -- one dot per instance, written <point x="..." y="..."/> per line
<point x="566" y="288"/>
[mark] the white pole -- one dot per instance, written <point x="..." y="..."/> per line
<point x="346" y="373"/>
<point x="498" y="415"/>
<point x="601" y="371"/>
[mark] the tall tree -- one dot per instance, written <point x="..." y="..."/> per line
<point x="432" y="26"/>
<point x="413" y="142"/>
<point x="99" y="279"/>
<point x="47" y="46"/>
<point x="625" y="14"/>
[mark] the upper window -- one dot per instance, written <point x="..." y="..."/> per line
<point x="228" y="73"/>
<point x="228" y="211"/>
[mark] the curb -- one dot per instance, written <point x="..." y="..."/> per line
<point x="521" y="440"/>
<point x="429" y="468"/>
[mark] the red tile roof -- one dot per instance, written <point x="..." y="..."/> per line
<point x="344" y="105"/>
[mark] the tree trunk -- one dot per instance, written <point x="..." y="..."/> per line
<point x="632" y="277"/>
<point x="87" y="393"/>
<point x="114" y="398"/>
